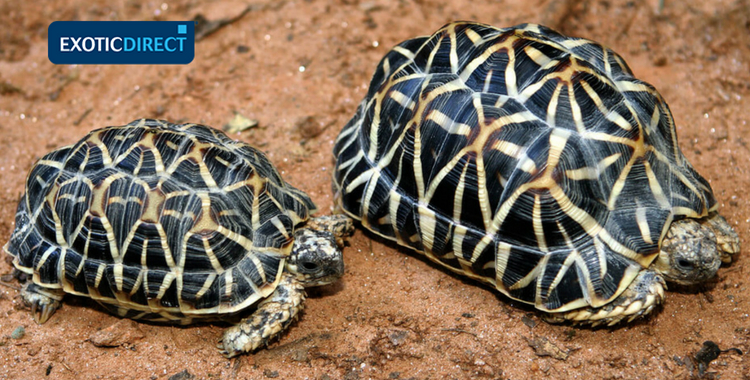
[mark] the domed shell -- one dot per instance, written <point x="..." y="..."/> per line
<point x="520" y="157"/>
<point x="158" y="221"/>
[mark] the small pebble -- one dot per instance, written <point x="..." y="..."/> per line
<point x="184" y="375"/>
<point x="18" y="333"/>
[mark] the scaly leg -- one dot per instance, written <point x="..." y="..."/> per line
<point x="639" y="298"/>
<point x="340" y="226"/>
<point x="43" y="301"/>
<point x="274" y="315"/>
<point x="727" y="240"/>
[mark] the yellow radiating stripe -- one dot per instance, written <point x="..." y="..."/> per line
<point x="228" y="282"/>
<point x="584" y="173"/>
<point x="261" y="272"/>
<point x="239" y="185"/>
<point x="386" y="68"/>
<point x="531" y="276"/>
<point x="552" y="106"/>
<point x="50" y="163"/>
<point x="360" y="154"/>
<point x="222" y="161"/>
<point x="44" y="258"/>
<point x="431" y="58"/>
<point x="587" y="222"/>
<point x="607" y="65"/>
<point x="470" y="67"/>
<point x="72" y="197"/>
<point x="197" y="157"/>
<point x="118" y="276"/>
<point x="619" y="120"/>
<point x="138" y="282"/>
<point x="236" y="237"/>
<point x="361" y="179"/>
<point x="527" y="165"/>
<point x="405" y="52"/>
<point x="537" y="56"/>
<point x="402" y="99"/>
<point x="473" y="36"/>
<point x="640" y="218"/>
<point x="158" y="160"/>
<point x="99" y="276"/>
<point x="453" y="49"/>
<point x="576" y="111"/>
<point x="616" y="246"/>
<point x="607" y="161"/>
<point x="427" y="224"/>
<point x="537" y="222"/>
<point x="144" y="252"/>
<point x="508" y="148"/>
<point x="172" y="145"/>
<point x="629" y="85"/>
<point x="458" y="195"/>
<point x="488" y="81"/>
<point x="448" y="124"/>
<point x="106" y="158"/>
<point x="610" y="115"/>
<point x="656" y="189"/>
<point x="85" y="160"/>
<point x="619" y="184"/>
<point x="206" y="285"/>
<point x="124" y="154"/>
<point x="212" y="256"/>
<point x="581" y="265"/>
<point x="601" y="256"/>
<point x="688" y="212"/>
<point x="573" y="256"/>
<point x="394" y="200"/>
<point x="417" y="163"/>
<point x="165" y="284"/>
<point x="257" y="191"/>
<point x="501" y="262"/>
<point x="164" y="246"/>
<point x="510" y="74"/>
<point x="280" y="226"/>
<point x="459" y="235"/>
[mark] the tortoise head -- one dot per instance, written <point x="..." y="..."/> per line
<point x="693" y="249"/>
<point x="316" y="259"/>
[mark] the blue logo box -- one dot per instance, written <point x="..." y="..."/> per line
<point x="121" y="42"/>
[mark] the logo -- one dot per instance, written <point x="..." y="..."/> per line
<point x="121" y="42"/>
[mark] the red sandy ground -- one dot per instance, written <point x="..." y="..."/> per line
<point x="394" y="315"/>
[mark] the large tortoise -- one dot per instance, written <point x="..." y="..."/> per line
<point x="533" y="162"/>
<point x="173" y="223"/>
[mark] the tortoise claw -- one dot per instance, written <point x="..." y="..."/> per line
<point x="44" y="302"/>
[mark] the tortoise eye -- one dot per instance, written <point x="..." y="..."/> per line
<point x="309" y="265"/>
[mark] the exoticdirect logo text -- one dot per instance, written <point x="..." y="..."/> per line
<point x="121" y="42"/>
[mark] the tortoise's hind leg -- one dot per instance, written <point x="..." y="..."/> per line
<point x="43" y="301"/>
<point x="639" y="299"/>
<point x="274" y="315"/>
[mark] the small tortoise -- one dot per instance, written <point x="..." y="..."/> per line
<point x="173" y="223"/>
<point x="536" y="163"/>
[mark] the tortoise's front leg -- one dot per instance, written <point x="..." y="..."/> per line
<point x="340" y="226"/>
<point x="639" y="299"/>
<point x="727" y="240"/>
<point x="272" y="316"/>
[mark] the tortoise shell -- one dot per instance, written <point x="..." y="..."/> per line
<point x="529" y="160"/>
<point x="158" y="221"/>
